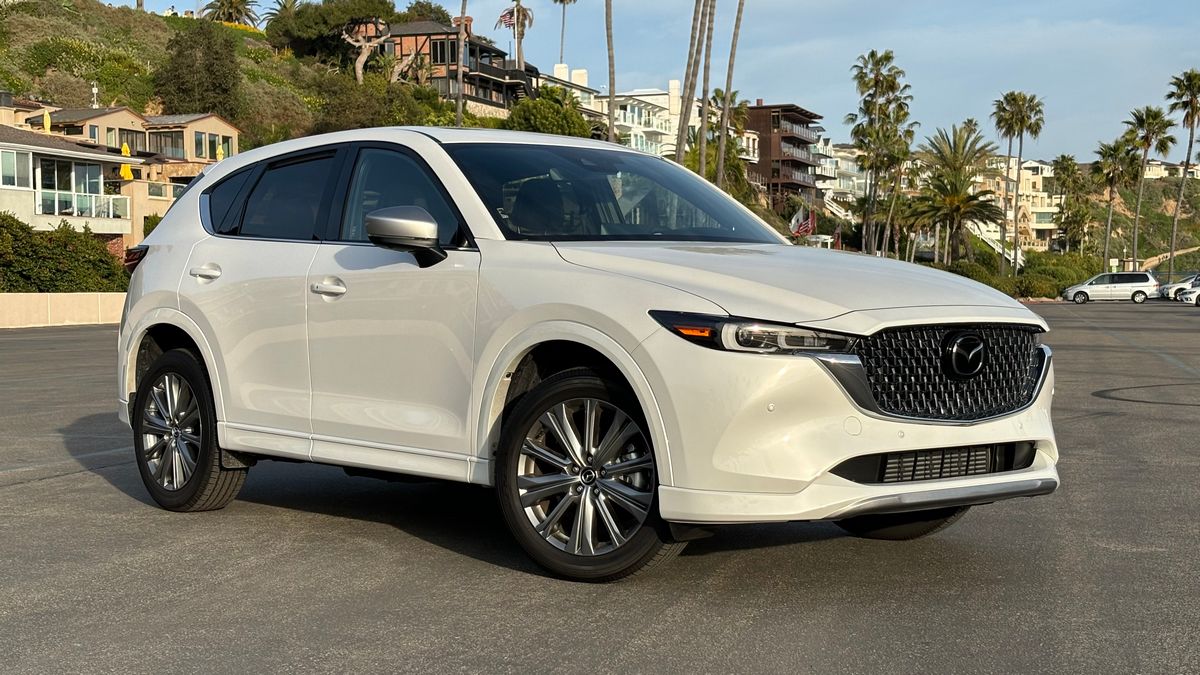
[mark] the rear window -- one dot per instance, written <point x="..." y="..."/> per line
<point x="221" y="199"/>
<point x="286" y="202"/>
<point x="1133" y="278"/>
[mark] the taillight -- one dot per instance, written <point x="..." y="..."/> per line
<point x="134" y="256"/>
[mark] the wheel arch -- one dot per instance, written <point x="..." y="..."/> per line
<point x="559" y="345"/>
<point x="158" y="332"/>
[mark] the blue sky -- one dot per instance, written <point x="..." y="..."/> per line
<point x="1092" y="61"/>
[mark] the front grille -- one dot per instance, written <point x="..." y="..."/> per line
<point x="904" y="467"/>
<point x="907" y="377"/>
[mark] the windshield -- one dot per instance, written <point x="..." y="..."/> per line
<point x="544" y="193"/>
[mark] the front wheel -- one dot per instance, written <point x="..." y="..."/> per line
<point x="902" y="526"/>
<point x="1138" y="297"/>
<point x="576" y="480"/>
<point x="1080" y="298"/>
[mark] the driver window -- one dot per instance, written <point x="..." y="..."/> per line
<point x="385" y="178"/>
<point x="1102" y="279"/>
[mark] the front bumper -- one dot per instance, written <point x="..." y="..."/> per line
<point x="753" y="438"/>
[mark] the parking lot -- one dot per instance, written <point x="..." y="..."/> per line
<point x="312" y="570"/>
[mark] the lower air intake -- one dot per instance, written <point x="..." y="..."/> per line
<point x="918" y="465"/>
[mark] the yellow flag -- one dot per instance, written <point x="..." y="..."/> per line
<point x="124" y="149"/>
<point x="220" y="152"/>
<point x="46" y="121"/>
<point x="126" y="172"/>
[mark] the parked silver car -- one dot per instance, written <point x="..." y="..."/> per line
<point x="1135" y="286"/>
<point x="1171" y="291"/>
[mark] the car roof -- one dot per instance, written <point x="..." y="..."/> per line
<point x="453" y="135"/>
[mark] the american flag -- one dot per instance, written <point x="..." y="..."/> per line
<point x="803" y="224"/>
<point x="509" y="17"/>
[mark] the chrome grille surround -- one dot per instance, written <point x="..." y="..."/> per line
<point x="903" y="369"/>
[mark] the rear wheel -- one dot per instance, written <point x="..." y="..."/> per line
<point x="1080" y="298"/>
<point x="1138" y="297"/>
<point x="175" y="437"/>
<point x="902" y="526"/>
<point x="576" y="479"/>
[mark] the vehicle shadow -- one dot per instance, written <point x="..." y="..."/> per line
<point x="94" y="441"/>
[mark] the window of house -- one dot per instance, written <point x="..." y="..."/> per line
<point x="286" y="202"/>
<point x="385" y="178"/>
<point x="15" y="169"/>
<point x="110" y="137"/>
<point x="136" y="140"/>
<point x="93" y="132"/>
<point x="213" y="140"/>
<point x="200" y="145"/>
<point x="227" y="145"/>
<point x="169" y="143"/>
<point x="438" y="52"/>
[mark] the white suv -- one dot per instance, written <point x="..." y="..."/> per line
<point x="625" y="353"/>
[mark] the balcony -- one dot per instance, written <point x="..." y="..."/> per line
<point x="794" y="129"/>
<point x="79" y="205"/>
<point x="650" y="125"/>
<point x="798" y="153"/>
<point x="793" y="176"/>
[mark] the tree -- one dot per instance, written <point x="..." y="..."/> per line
<point x="712" y="15"/>
<point x="522" y="20"/>
<point x="462" y="46"/>
<point x="1028" y="117"/>
<point x="883" y="108"/>
<point x="200" y="73"/>
<point x="727" y="101"/>
<point x="699" y="18"/>
<point x="1004" y="118"/>
<point x="955" y="158"/>
<point x="1148" y="130"/>
<point x="425" y="10"/>
<point x="365" y="35"/>
<point x="547" y="116"/>
<point x="232" y="11"/>
<point x="283" y="10"/>
<point x="1184" y="98"/>
<point x="1115" y="166"/>
<point x="562" y="37"/>
<point x="612" y="73"/>
<point x="1071" y="185"/>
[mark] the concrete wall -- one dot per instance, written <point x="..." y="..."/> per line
<point x="26" y="310"/>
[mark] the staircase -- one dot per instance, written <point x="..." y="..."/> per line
<point x="995" y="245"/>
<point x="836" y="209"/>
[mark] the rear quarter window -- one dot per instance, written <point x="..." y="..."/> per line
<point x="221" y="200"/>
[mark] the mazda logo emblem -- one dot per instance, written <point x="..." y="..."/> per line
<point x="964" y="355"/>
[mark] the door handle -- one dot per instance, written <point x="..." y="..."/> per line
<point x="208" y="272"/>
<point x="328" y="288"/>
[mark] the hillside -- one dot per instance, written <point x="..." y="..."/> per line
<point x="54" y="49"/>
<point x="1158" y="210"/>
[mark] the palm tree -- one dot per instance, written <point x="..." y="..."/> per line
<point x="712" y="16"/>
<point x="562" y="37"/>
<point x="1148" y="130"/>
<point x="232" y="11"/>
<point x="723" y="139"/>
<point x="955" y="158"/>
<point x="1115" y="165"/>
<point x="1185" y="98"/>
<point x="283" y="9"/>
<point x="458" y="75"/>
<point x="522" y="18"/>
<point x="1069" y="183"/>
<point x="1004" y="119"/>
<point x="699" y="18"/>
<point x="612" y="73"/>
<point x="1028" y="118"/>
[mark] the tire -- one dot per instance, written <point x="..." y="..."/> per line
<point x="207" y="486"/>
<point x="535" y="460"/>
<point x="1138" y="297"/>
<point x="1175" y="293"/>
<point x="902" y="526"/>
<point x="1080" y="297"/>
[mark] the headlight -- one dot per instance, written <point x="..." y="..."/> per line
<point x="746" y="335"/>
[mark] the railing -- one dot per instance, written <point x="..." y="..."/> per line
<point x="164" y="190"/>
<point x="627" y="118"/>
<point x="53" y="203"/>
<point x="798" y="153"/>
<point x="796" y="176"/>
<point x="797" y="130"/>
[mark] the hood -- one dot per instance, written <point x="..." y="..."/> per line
<point x="795" y="284"/>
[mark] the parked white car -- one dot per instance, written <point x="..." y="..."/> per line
<point x="1190" y="296"/>
<point x="627" y="355"/>
<point x="1172" y="290"/>
<point x="1135" y="286"/>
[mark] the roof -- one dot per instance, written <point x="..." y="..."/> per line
<point x="421" y="28"/>
<point x="30" y="139"/>
<point x="643" y="92"/>
<point x="789" y="108"/>
<point x="72" y="115"/>
<point x="172" y="120"/>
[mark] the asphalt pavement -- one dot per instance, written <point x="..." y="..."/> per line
<point x="314" y="571"/>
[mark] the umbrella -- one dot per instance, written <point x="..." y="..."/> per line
<point x="126" y="172"/>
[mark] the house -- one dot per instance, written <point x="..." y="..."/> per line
<point x="492" y="84"/>
<point x="109" y="127"/>
<point x="197" y="140"/>
<point x="47" y="179"/>
<point x="787" y="160"/>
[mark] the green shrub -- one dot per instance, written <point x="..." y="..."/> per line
<point x="1036" y="286"/>
<point x="149" y="223"/>
<point x="1006" y="285"/>
<point x="63" y="260"/>
<point x="971" y="270"/>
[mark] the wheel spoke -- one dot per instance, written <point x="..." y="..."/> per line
<point x="627" y="497"/>
<point x="191" y="414"/>
<point x="158" y="395"/>
<point x="559" y="423"/>
<point x="629" y="466"/>
<point x="619" y="432"/>
<point x="176" y="466"/>
<point x="546" y="527"/>
<point x="184" y="401"/>
<point x="591" y="413"/>
<point x="538" y="451"/>
<point x="583" y="536"/>
<point x="165" y="459"/>
<point x="610" y="523"/>
<point x="154" y="425"/>
<point x="154" y="452"/>
<point x="538" y="488"/>
<point x="187" y="462"/>
<point x="170" y="389"/>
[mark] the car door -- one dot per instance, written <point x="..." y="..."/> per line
<point x="391" y="343"/>
<point x="247" y="288"/>
<point x="1102" y="288"/>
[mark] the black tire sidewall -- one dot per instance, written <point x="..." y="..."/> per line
<point x="1080" y="298"/>
<point x="182" y="363"/>
<point x="641" y="547"/>
<point x="1137" y="295"/>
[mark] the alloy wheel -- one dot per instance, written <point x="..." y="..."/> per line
<point x="171" y="431"/>
<point x="585" y="476"/>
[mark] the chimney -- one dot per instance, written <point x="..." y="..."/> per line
<point x="579" y="76"/>
<point x="562" y="72"/>
<point x="758" y="102"/>
<point x="467" y="19"/>
<point x="673" y="97"/>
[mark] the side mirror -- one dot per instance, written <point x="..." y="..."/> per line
<point x="406" y="228"/>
